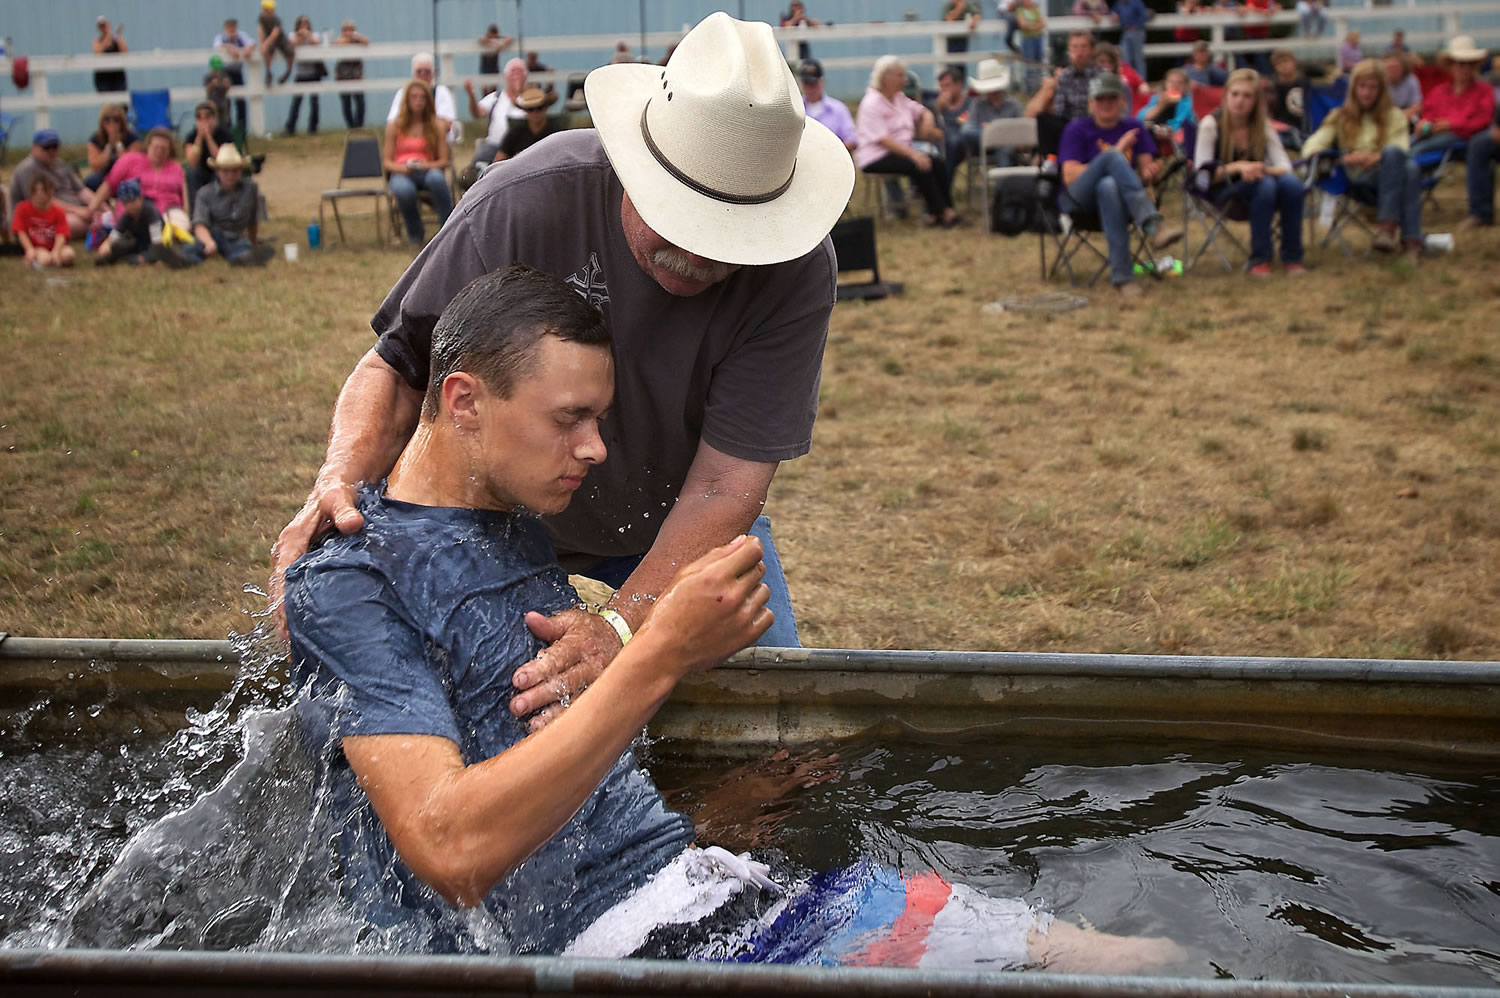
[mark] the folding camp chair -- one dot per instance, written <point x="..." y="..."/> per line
<point x="1329" y="179"/>
<point x="151" y="109"/>
<point x="1072" y="236"/>
<point x="361" y="162"/>
<point x="1435" y="166"/>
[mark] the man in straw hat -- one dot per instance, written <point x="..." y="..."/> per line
<point x="225" y="215"/>
<point x="1454" y="111"/>
<point x="538" y="124"/>
<point x="696" y="218"/>
<point x="991" y="102"/>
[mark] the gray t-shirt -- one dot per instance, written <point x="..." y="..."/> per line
<point x="736" y="366"/>
<point x="230" y="212"/>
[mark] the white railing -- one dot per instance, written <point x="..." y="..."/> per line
<point x="1447" y="18"/>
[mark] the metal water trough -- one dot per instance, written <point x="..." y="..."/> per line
<point x="772" y="697"/>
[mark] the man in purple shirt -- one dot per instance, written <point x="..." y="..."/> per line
<point x="1105" y="158"/>
<point x="824" y="109"/>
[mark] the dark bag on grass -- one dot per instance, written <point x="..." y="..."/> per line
<point x="1017" y="208"/>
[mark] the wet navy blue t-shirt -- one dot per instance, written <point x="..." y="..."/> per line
<point x="414" y="625"/>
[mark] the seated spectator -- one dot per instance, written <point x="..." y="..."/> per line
<point x="234" y="48"/>
<point x="1484" y="146"/>
<point x="273" y="39"/>
<point x="991" y="102"/>
<point x="1406" y="89"/>
<point x="1349" y="52"/>
<point x="416" y="154"/>
<point x="1107" y="59"/>
<point x="1398" y="42"/>
<point x="1201" y="68"/>
<point x="1252" y="167"/>
<point x="1170" y="111"/>
<point x="533" y="102"/>
<point x="110" y="141"/>
<point x="42" y="227"/>
<point x="498" y="107"/>
<point x="1370" y="135"/>
<point x="947" y="110"/>
<point x="137" y="230"/>
<point x="1064" y="96"/>
<point x="442" y="99"/>
<point x="200" y="145"/>
<point x="832" y="114"/>
<point x="226" y="217"/>
<point x="309" y="70"/>
<point x="1107" y="159"/>
<point x="1459" y="108"/>
<point x="160" y="175"/>
<point x="68" y="191"/>
<point x="1287" y="98"/>
<point x="888" y="124"/>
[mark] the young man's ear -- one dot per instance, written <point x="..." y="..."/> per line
<point x="461" y="399"/>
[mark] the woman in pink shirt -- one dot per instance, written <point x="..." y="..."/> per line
<point x="888" y="123"/>
<point x="160" y="176"/>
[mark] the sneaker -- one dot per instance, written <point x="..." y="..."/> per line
<point x="1261" y="270"/>
<point x="1129" y="290"/>
<point x="262" y="254"/>
<point x="1386" y="240"/>
<point x="1411" y="251"/>
<point x="1475" y="222"/>
<point x="1160" y="237"/>
<point x="169" y="255"/>
<point x="1295" y="270"/>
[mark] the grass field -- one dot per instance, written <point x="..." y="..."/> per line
<point x="1232" y="467"/>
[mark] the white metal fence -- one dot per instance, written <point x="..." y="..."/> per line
<point x="1443" y="20"/>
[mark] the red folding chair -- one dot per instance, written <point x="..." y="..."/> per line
<point x="1206" y="100"/>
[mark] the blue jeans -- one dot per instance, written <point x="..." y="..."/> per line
<point x="1133" y="49"/>
<point x="230" y="247"/>
<point x="1111" y="189"/>
<point x="1266" y="197"/>
<point x="1433" y="144"/>
<point x="1031" y="49"/>
<point x="1482" y="151"/>
<point x="353" y="106"/>
<point x="782" y="634"/>
<point x="404" y="188"/>
<point x="1313" y="23"/>
<point x="1396" y="186"/>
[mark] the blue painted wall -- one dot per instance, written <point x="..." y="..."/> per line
<point x="64" y="26"/>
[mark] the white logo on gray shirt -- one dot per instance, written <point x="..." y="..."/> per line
<point x="590" y="283"/>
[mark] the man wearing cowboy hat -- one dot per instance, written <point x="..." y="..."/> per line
<point x="696" y="218"/>
<point x="1454" y="111"/>
<point x="991" y="102"/>
<point x="225" y="214"/>
<point x="534" y="101"/>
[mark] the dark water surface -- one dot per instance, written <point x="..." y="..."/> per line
<point x="1260" y="863"/>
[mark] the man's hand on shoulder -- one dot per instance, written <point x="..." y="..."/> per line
<point x="579" y="645"/>
<point x="329" y="506"/>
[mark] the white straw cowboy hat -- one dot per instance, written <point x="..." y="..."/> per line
<point x="1461" y="48"/>
<point x="993" y="75"/>
<point x="716" y="151"/>
<point x="229" y="158"/>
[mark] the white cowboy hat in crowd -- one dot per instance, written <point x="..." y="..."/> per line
<point x="715" y="149"/>
<point x="1461" y="48"/>
<point x="229" y="158"/>
<point x="993" y="75"/>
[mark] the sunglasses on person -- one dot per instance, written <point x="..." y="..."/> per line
<point x="50" y="146"/>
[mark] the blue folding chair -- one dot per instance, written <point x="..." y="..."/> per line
<point x="1325" y="175"/>
<point x="150" y="109"/>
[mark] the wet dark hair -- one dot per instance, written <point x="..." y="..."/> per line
<point x="491" y="328"/>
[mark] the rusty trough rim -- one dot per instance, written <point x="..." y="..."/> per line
<point x="115" y="971"/>
<point x="222" y="653"/>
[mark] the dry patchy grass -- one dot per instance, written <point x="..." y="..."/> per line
<point x="1271" y="468"/>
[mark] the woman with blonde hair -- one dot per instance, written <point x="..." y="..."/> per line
<point x="887" y="126"/>
<point x="416" y="154"/>
<point x="1250" y="166"/>
<point x="112" y="140"/>
<point x="1370" y="133"/>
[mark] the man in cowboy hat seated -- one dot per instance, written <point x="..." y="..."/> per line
<point x="225" y="217"/>
<point x="538" y="124"/>
<point x="1462" y="107"/>
<point x="990" y="102"/>
<point x="696" y="217"/>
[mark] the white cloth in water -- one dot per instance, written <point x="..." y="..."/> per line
<point x="974" y="929"/>
<point x="692" y="886"/>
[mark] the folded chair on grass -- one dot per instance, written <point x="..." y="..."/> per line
<point x="361" y="164"/>
<point x="1006" y="133"/>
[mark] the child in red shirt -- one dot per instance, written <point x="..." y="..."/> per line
<point x="42" y="227"/>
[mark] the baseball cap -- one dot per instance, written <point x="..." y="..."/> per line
<point x="811" y="69"/>
<point x="46" y="137"/>
<point x="128" y="190"/>
<point x="1106" y="85"/>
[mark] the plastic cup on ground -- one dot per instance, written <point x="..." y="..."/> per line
<point x="289" y="250"/>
